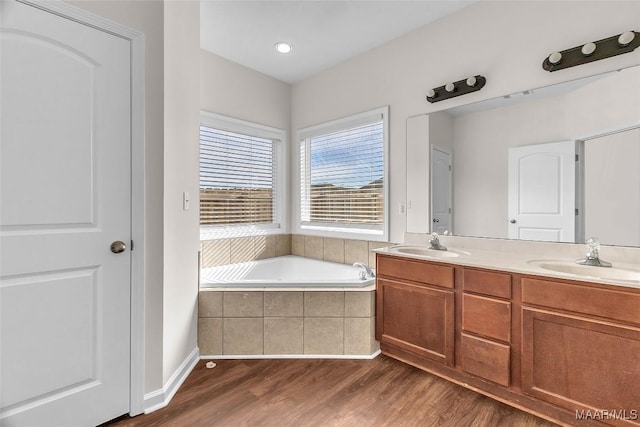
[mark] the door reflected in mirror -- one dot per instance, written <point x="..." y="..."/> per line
<point x="597" y="117"/>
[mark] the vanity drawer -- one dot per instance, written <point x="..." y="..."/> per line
<point x="612" y="304"/>
<point x="487" y="283"/>
<point x="417" y="271"/>
<point x="487" y="317"/>
<point x="486" y="359"/>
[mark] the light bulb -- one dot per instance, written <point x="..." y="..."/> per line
<point x="555" y="58"/>
<point x="431" y="93"/>
<point x="471" y="81"/>
<point x="588" y="49"/>
<point x="450" y="87"/>
<point x="626" y="38"/>
<point x="284" y="47"/>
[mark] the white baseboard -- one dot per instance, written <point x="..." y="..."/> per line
<point x="290" y="356"/>
<point x="160" y="398"/>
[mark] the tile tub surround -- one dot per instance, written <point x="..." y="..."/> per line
<point x="344" y="251"/>
<point x="241" y="249"/>
<point x="286" y="323"/>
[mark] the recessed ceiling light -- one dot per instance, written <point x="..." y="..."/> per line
<point x="284" y="47"/>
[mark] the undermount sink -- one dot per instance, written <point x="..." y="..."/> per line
<point x="605" y="273"/>
<point x="424" y="251"/>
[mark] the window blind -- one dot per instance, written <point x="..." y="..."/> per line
<point x="344" y="173"/>
<point x="237" y="179"/>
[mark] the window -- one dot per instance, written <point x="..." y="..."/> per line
<point x="343" y="175"/>
<point x="240" y="177"/>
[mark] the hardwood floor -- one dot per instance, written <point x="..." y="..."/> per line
<point x="305" y="392"/>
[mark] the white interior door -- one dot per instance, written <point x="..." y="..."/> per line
<point x="64" y="198"/>
<point x="542" y="192"/>
<point x="440" y="190"/>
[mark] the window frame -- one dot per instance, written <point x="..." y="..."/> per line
<point x="343" y="230"/>
<point x="279" y="140"/>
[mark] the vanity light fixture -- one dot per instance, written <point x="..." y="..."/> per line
<point x="592" y="51"/>
<point x="451" y="90"/>
<point x="284" y="47"/>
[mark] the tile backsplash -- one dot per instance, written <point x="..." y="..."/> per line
<point x="233" y="250"/>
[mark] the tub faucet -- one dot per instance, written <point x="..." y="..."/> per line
<point x="593" y="254"/>
<point x="366" y="273"/>
<point x="434" y="242"/>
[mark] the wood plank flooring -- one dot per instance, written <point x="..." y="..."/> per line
<point x="304" y="392"/>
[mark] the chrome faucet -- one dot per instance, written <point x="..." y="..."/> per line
<point x="366" y="273"/>
<point x="593" y="254"/>
<point x="434" y="242"/>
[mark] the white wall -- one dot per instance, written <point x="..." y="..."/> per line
<point x="501" y="40"/>
<point x="236" y="91"/>
<point x="418" y="178"/>
<point x="181" y="174"/>
<point x="147" y="17"/>
<point x="612" y="188"/>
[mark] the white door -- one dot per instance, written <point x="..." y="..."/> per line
<point x="64" y="198"/>
<point x="542" y="192"/>
<point x="440" y="190"/>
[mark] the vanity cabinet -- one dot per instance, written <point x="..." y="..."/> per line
<point x="560" y="349"/>
<point x="485" y="341"/>
<point x="581" y="346"/>
<point x="415" y="306"/>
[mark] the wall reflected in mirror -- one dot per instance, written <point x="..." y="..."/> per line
<point x="508" y="179"/>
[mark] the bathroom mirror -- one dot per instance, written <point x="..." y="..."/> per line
<point x="559" y="163"/>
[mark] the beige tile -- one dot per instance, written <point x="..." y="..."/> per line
<point x="375" y="345"/>
<point x="333" y="250"/>
<point x="283" y="335"/>
<point x="358" y="335"/>
<point x="313" y="247"/>
<point x="215" y="252"/>
<point x="297" y="244"/>
<point x="359" y="304"/>
<point x="324" y="304"/>
<point x="210" y="336"/>
<point x="243" y="304"/>
<point x="210" y="304"/>
<point x="372" y="255"/>
<point x="241" y="249"/>
<point x="283" y="244"/>
<point x="243" y="336"/>
<point x="323" y="336"/>
<point x="264" y="247"/>
<point x="356" y="250"/>
<point x="283" y="304"/>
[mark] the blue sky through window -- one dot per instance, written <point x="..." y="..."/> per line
<point x="351" y="158"/>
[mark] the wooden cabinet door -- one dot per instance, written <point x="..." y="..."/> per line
<point x="581" y="363"/>
<point x="417" y="319"/>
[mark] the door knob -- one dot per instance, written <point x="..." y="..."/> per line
<point x="512" y="221"/>
<point x="118" y="247"/>
<point x="436" y="220"/>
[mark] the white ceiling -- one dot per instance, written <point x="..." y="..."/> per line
<point x="323" y="33"/>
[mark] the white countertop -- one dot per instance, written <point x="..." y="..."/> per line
<point x="514" y="262"/>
